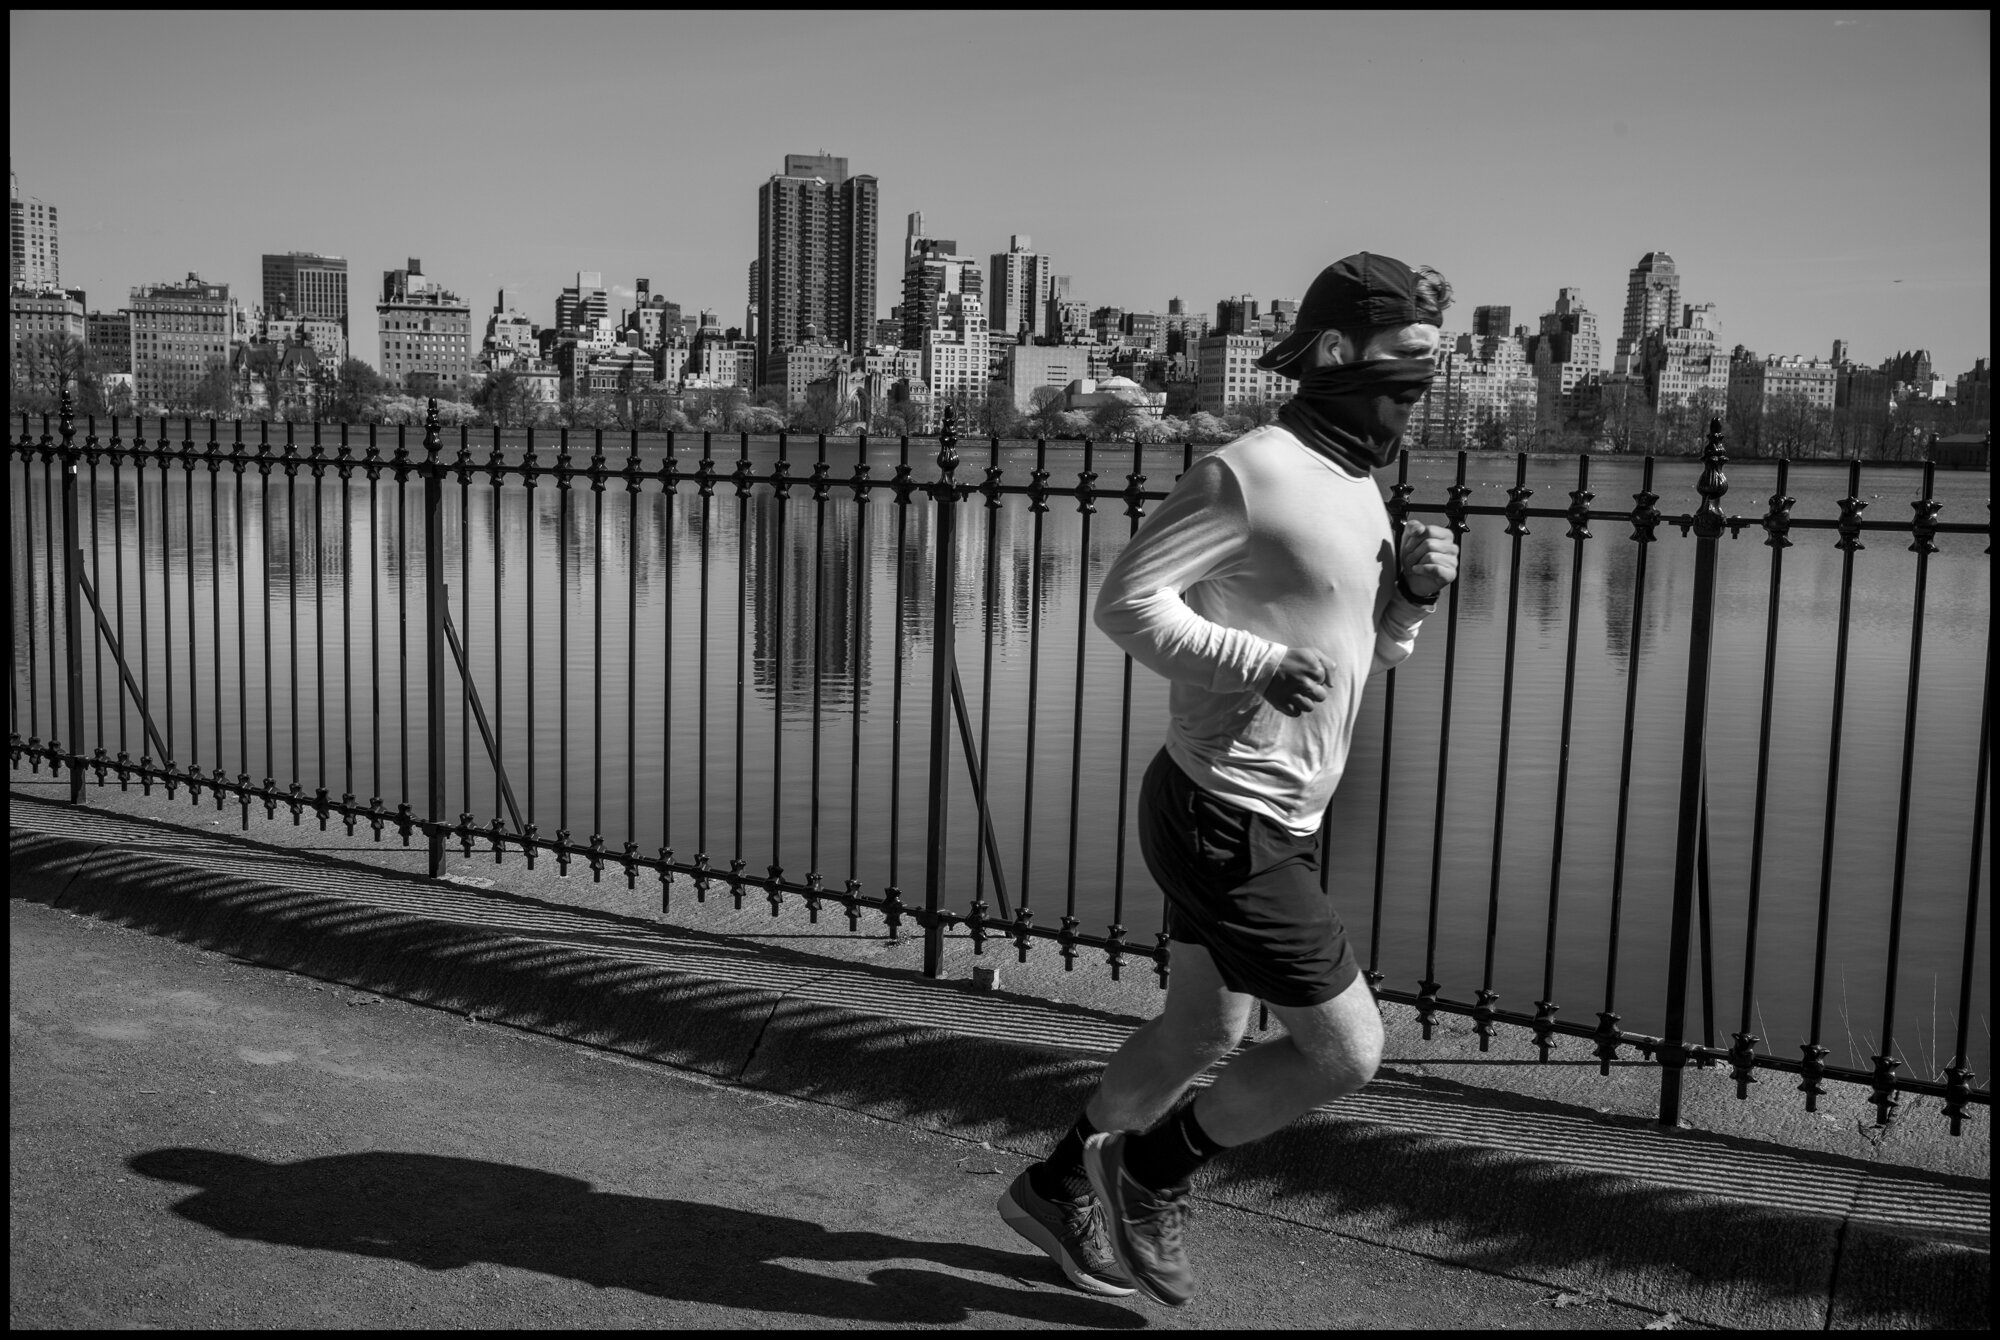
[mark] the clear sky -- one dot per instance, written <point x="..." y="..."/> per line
<point x="1815" y="174"/>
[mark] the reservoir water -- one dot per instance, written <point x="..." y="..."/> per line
<point x="689" y="654"/>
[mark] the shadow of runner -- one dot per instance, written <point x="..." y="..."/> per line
<point x="446" y="1213"/>
<point x="1406" y="1163"/>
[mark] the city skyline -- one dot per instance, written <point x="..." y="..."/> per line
<point x="1815" y="176"/>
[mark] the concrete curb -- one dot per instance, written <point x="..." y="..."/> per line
<point x="1409" y="1163"/>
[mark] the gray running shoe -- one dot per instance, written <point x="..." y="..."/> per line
<point x="1071" y="1232"/>
<point x="1146" y="1225"/>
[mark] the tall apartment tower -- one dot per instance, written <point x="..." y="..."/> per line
<point x="931" y="266"/>
<point x="1492" y="321"/>
<point x="34" y="260"/>
<point x="1652" y="302"/>
<point x="586" y="300"/>
<point x="1564" y="357"/>
<point x="1064" y="317"/>
<point x="1020" y="286"/>
<point x="955" y="351"/>
<point x="306" y="286"/>
<point x="816" y="245"/>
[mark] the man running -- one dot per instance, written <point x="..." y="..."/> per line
<point x="1267" y="587"/>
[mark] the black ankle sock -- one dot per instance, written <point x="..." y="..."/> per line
<point x="1061" y="1175"/>
<point x="1166" y="1156"/>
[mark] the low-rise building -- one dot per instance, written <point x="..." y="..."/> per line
<point x="625" y="368"/>
<point x="426" y="333"/>
<point x="109" y="338"/>
<point x="795" y="368"/>
<point x="1089" y="395"/>
<point x="1684" y="364"/>
<point x="655" y="318"/>
<point x="717" y="363"/>
<point x="38" y="318"/>
<point x="1144" y="330"/>
<point x="1482" y="380"/>
<point x="1755" y="382"/>
<point x="180" y="334"/>
<point x="1227" y="374"/>
<point x="322" y="334"/>
<point x="512" y="340"/>
<point x="1031" y="366"/>
<point x="1973" y="392"/>
<point x="275" y="375"/>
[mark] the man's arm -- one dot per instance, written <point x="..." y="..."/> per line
<point x="1427" y="562"/>
<point x="1199" y="531"/>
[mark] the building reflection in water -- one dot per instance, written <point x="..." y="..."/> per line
<point x="812" y="590"/>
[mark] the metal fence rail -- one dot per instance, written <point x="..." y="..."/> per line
<point x="59" y="638"/>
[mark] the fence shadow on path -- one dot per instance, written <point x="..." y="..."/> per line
<point x="1419" y="1162"/>
<point x="444" y="1213"/>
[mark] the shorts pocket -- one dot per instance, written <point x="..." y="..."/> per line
<point x="1221" y="833"/>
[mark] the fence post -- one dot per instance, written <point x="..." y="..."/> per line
<point x="73" y="595"/>
<point x="434" y="612"/>
<point x="944" y="657"/>
<point x="1708" y="525"/>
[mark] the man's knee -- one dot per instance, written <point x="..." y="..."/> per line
<point x="1341" y="1040"/>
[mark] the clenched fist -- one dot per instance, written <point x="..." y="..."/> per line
<point x="1429" y="558"/>
<point x="1300" y="682"/>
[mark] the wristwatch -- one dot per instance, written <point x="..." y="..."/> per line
<point x="1421" y="602"/>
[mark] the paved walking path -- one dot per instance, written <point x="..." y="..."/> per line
<point x="197" y="1142"/>
<point x="1547" y="1175"/>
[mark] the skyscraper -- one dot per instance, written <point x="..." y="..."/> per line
<point x="1565" y="356"/>
<point x="306" y="286"/>
<point x="1020" y="286"/>
<point x="1652" y="302"/>
<point x="33" y="258"/>
<point x="586" y="301"/>
<point x="931" y="266"/>
<point x="816" y="248"/>
<point x="955" y="365"/>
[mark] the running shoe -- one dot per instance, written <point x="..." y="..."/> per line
<point x="1071" y="1232"/>
<point x="1145" y="1225"/>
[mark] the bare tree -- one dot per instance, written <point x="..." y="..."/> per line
<point x="354" y="390"/>
<point x="265" y="364"/>
<point x="1793" y="426"/>
<point x="508" y="399"/>
<point x="214" y="396"/>
<point x="1045" y="410"/>
<point x="1114" y="420"/>
<point x="897" y="418"/>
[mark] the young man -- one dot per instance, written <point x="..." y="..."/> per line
<point x="1266" y="587"/>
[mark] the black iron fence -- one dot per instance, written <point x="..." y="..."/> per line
<point x="367" y="749"/>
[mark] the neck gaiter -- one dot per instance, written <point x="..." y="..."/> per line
<point x="1355" y="412"/>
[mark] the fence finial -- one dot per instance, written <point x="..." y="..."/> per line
<point x="947" y="457"/>
<point x="1708" y="520"/>
<point x="433" y="442"/>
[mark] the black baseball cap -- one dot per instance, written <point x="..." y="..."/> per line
<point x="1352" y="294"/>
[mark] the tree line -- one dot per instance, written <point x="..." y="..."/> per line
<point x="1622" y="422"/>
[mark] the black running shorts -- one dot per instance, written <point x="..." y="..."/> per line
<point x="1245" y="889"/>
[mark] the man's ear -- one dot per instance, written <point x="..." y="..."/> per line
<point x="1333" y="348"/>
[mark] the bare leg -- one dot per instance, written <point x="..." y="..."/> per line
<point x="1329" y="1050"/>
<point x="1202" y="1021"/>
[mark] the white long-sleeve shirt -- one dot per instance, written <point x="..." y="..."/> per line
<point x="1263" y="546"/>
